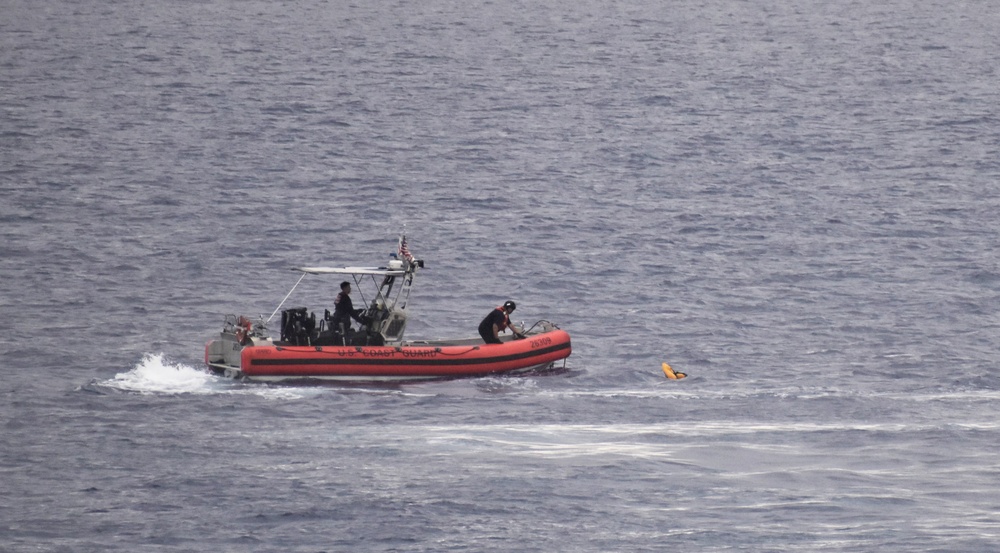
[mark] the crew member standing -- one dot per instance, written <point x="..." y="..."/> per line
<point x="344" y="310"/>
<point x="496" y="322"/>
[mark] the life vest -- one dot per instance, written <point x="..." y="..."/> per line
<point x="506" y="320"/>
<point x="243" y="326"/>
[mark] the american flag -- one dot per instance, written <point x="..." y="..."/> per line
<point x="404" y="252"/>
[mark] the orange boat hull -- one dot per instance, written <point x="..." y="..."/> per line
<point x="403" y="362"/>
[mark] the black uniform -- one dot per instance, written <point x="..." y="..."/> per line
<point x="496" y="317"/>
<point x="344" y="312"/>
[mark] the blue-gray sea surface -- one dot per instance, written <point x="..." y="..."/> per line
<point x="793" y="202"/>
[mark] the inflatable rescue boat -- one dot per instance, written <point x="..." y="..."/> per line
<point x="323" y="348"/>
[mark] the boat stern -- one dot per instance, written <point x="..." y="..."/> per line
<point x="222" y="355"/>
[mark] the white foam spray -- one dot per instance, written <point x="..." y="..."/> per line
<point x="154" y="374"/>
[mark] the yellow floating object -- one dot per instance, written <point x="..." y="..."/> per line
<point x="671" y="374"/>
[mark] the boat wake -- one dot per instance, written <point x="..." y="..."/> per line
<point x="155" y="374"/>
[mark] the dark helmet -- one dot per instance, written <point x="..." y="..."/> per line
<point x="509" y="305"/>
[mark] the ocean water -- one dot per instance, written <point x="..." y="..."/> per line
<point x="794" y="203"/>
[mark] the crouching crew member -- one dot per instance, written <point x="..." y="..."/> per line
<point x="496" y="322"/>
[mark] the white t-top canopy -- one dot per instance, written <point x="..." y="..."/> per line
<point x="374" y="271"/>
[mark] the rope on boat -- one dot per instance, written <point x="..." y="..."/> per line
<point x="286" y="297"/>
<point x="550" y="323"/>
<point x="471" y="348"/>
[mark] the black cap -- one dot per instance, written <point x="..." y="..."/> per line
<point x="509" y="305"/>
